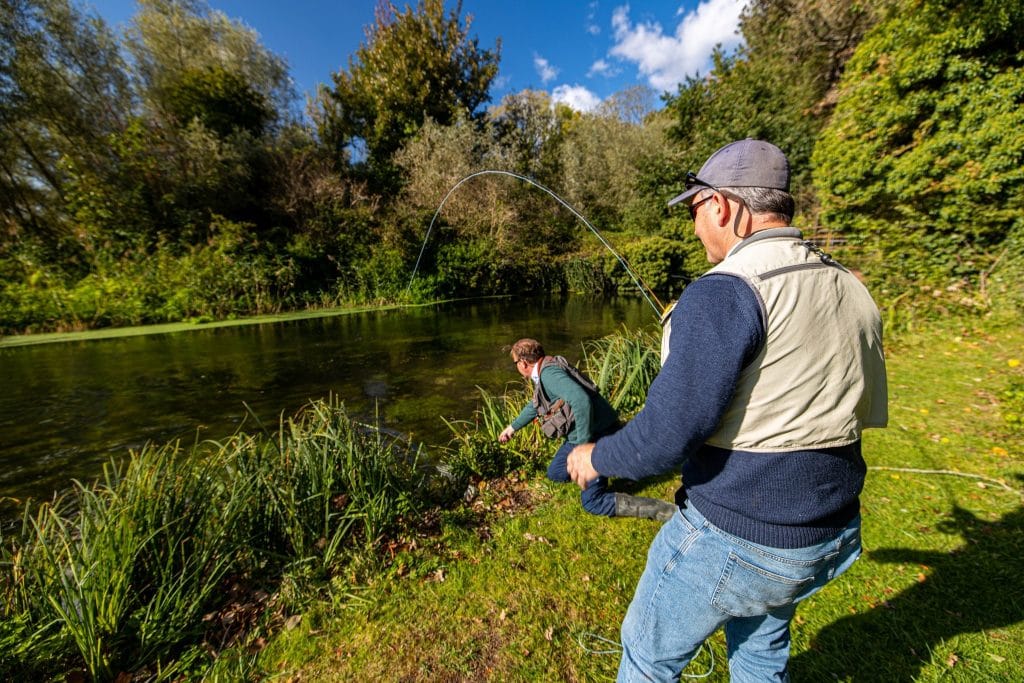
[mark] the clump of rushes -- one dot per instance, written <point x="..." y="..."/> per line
<point x="118" y="575"/>
<point x="474" y="450"/>
<point x="623" y="366"/>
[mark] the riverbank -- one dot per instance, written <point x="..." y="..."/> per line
<point x="507" y="578"/>
<point x="536" y="592"/>
<point x="10" y="341"/>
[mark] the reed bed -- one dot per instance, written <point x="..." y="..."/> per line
<point x="623" y="365"/>
<point x="124" y="574"/>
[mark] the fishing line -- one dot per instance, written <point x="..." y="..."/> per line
<point x="644" y="289"/>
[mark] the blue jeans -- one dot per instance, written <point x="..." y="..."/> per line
<point x="699" y="578"/>
<point x="597" y="499"/>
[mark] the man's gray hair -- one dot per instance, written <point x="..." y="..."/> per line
<point x="765" y="200"/>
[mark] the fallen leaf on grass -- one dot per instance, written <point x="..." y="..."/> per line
<point x="951" y="660"/>
<point x="995" y="657"/>
<point x="549" y="633"/>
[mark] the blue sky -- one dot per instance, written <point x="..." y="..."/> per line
<point x="580" y="52"/>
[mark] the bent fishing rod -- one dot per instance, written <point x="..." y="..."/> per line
<point x="649" y="296"/>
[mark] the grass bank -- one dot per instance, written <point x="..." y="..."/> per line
<point x="321" y="550"/>
<point x="521" y="585"/>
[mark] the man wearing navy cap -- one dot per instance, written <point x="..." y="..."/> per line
<point x="774" y="367"/>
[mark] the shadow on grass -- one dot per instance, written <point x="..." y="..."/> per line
<point x="976" y="587"/>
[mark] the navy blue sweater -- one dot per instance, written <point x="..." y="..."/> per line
<point x="783" y="500"/>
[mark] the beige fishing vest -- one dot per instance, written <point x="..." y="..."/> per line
<point x="820" y="377"/>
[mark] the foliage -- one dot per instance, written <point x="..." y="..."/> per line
<point x="221" y="100"/>
<point x="658" y="262"/>
<point x="183" y="48"/>
<point x="600" y="162"/>
<point x="417" y="64"/>
<point x="63" y="89"/>
<point x="777" y="87"/>
<point x="223" y="278"/>
<point x="623" y="365"/>
<point x="474" y="451"/>
<point x="530" y="130"/>
<point x="123" y="574"/>
<point x="921" y="161"/>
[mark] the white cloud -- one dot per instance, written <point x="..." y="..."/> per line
<point x="544" y="69"/>
<point x="603" y="68"/>
<point x="666" y="60"/>
<point x="591" y="24"/>
<point x="576" y="96"/>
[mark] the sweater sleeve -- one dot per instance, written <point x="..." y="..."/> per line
<point x="525" y="417"/>
<point x="717" y="329"/>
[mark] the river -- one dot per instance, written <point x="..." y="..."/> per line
<point x="68" y="407"/>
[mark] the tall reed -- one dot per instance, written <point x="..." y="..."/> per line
<point x="118" y="575"/>
<point x="623" y="365"/>
<point x="474" y="449"/>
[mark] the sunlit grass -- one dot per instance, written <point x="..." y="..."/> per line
<point x="372" y="565"/>
<point x="123" y="574"/>
<point x="935" y="596"/>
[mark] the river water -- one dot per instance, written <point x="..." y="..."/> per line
<point x="66" y="408"/>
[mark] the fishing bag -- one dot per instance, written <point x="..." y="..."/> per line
<point x="556" y="417"/>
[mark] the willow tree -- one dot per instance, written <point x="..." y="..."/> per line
<point x="924" y="156"/>
<point x="415" y="65"/>
<point x="211" y="97"/>
<point x="63" y="91"/>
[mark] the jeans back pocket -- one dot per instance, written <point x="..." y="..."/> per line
<point x="747" y="590"/>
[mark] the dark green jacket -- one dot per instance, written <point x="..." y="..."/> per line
<point x="594" y="415"/>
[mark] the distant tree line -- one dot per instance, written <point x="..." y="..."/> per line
<point x="168" y="173"/>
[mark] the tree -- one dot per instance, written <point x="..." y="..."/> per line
<point x="925" y="153"/>
<point x="211" y="97"/>
<point x="63" y="91"/>
<point x="529" y="127"/>
<point x="601" y="160"/>
<point x="415" y="65"/>
<point x="778" y="86"/>
<point x="190" y="61"/>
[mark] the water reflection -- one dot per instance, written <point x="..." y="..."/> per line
<point x="68" y="407"/>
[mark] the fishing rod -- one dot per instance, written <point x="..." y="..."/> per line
<point x="644" y="289"/>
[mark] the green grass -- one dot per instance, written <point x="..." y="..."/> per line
<point x="177" y="554"/>
<point x="323" y="550"/>
<point x="522" y="584"/>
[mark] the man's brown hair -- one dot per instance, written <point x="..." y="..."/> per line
<point x="529" y="350"/>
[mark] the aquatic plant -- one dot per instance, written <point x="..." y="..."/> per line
<point x="124" y="574"/>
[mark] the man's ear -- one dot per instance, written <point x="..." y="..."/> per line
<point x="723" y="209"/>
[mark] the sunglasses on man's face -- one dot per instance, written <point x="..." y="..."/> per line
<point x="694" y="205"/>
<point x="693" y="181"/>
